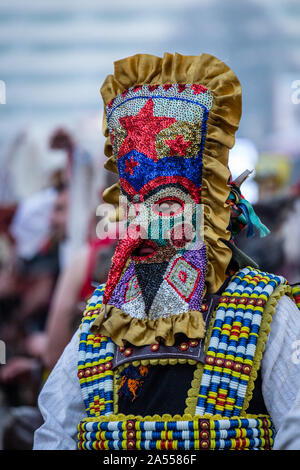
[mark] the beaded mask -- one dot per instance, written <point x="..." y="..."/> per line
<point x="158" y="135"/>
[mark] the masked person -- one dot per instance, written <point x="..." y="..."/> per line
<point x="176" y="350"/>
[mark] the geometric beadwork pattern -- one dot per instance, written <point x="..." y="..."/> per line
<point x="183" y="277"/>
<point x="233" y="342"/>
<point x="196" y="434"/>
<point x="94" y="362"/>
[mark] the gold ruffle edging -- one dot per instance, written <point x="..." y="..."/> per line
<point x="222" y="124"/>
<point x="123" y="328"/>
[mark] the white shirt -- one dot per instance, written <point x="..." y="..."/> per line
<point x="62" y="407"/>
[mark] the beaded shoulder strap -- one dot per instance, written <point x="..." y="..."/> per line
<point x="94" y="362"/>
<point x="233" y="355"/>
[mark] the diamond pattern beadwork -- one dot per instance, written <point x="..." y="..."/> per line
<point x="183" y="277"/>
<point x="233" y="342"/>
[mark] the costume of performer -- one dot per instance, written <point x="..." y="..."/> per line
<point x="170" y="348"/>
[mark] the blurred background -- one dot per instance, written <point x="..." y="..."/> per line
<point x="54" y="57"/>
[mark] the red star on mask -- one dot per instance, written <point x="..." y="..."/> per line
<point x="178" y="146"/>
<point x="142" y="130"/>
<point x="130" y="165"/>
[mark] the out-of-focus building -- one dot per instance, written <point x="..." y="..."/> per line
<point x="55" y="55"/>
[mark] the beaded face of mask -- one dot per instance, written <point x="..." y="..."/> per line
<point x="158" y="135"/>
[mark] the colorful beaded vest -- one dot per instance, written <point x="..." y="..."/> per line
<point x="215" y="416"/>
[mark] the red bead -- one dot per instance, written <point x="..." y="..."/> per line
<point x="246" y="369"/>
<point x="193" y="343"/>
<point x="204" y="424"/>
<point x="130" y="444"/>
<point x="204" y="308"/>
<point x="219" y="362"/>
<point x="131" y="435"/>
<point x="183" y="346"/>
<point x="228" y="364"/>
<point x="108" y="365"/>
<point x="154" y="347"/>
<point x="204" y="435"/>
<point x="87" y="372"/>
<point x="130" y="425"/>
<point x="128" y="352"/>
<point x="210" y="360"/>
<point x="101" y="368"/>
<point x="204" y="444"/>
<point x="237" y="367"/>
<point x="121" y="349"/>
<point x="80" y="374"/>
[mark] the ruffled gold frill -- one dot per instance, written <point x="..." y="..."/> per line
<point x="122" y="328"/>
<point x="222" y="124"/>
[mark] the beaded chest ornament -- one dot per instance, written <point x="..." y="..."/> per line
<point x="158" y="270"/>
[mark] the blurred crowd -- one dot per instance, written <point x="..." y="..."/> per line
<point x="51" y="259"/>
<point x="50" y="262"/>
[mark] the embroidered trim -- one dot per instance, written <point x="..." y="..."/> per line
<point x="172" y="433"/>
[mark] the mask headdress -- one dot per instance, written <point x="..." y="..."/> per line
<point x="171" y="121"/>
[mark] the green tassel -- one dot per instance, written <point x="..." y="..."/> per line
<point x="255" y="220"/>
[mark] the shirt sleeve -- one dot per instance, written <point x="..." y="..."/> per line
<point x="61" y="404"/>
<point x="281" y="374"/>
